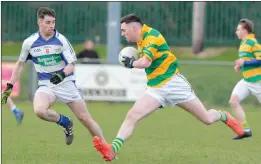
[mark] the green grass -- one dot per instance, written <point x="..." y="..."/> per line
<point x="14" y="48"/>
<point x="228" y="54"/>
<point x="166" y="137"/>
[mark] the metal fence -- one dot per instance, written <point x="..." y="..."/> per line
<point x="81" y="20"/>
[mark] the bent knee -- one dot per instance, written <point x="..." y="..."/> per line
<point x="39" y="111"/>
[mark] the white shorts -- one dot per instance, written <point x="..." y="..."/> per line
<point x="66" y="92"/>
<point x="175" y="91"/>
<point x="243" y="88"/>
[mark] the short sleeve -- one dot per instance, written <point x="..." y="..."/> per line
<point x="24" y="52"/>
<point x="68" y="51"/>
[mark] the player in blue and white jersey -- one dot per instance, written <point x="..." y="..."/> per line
<point x="53" y="58"/>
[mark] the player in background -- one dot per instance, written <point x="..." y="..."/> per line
<point x="165" y="85"/>
<point x="249" y="63"/>
<point x="19" y="115"/>
<point x="53" y="58"/>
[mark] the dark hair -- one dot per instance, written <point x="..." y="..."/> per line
<point x="247" y="24"/>
<point x="131" y="18"/>
<point x="43" y="11"/>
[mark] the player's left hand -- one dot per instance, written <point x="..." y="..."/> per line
<point x="128" y="62"/>
<point x="240" y="62"/>
<point x="58" y="77"/>
<point x="6" y="93"/>
<point x="237" y="68"/>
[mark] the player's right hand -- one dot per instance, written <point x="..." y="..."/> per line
<point x="6" y="93"/>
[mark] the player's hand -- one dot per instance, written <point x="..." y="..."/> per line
<point x="6" y="93"/>
<point x="128" y="62"/>
<point x="237" y="68"/>
<point x="58" y="77"/>
<point x="240" y="62"/>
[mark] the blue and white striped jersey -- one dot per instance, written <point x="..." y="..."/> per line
<point x="48" y="56"/>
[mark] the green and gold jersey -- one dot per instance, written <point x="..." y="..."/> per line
<point x="250" y="49"/>
<point x="164" y="64"/>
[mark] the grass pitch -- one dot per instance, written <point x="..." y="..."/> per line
<point x="169" y="136"/>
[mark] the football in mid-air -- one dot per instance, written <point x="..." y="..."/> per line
<point x="128" y="52"/>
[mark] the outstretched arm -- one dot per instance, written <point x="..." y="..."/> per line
<point x="16" y="73"/>
<point x="18" y="69"/>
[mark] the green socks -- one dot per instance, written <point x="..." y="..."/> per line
<point x="223" y="116"/>
<point x="245" y="125"/>
<point x="117" y="144"/>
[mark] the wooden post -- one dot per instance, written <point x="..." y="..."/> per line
<point x="198" y="26"/>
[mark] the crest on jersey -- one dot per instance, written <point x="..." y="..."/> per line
<point x="47" y="51"/>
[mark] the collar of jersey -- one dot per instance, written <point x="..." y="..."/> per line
<point x="144" y="29"/>
<point x="249" y="36"/>
<point x="54" y="35"/>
